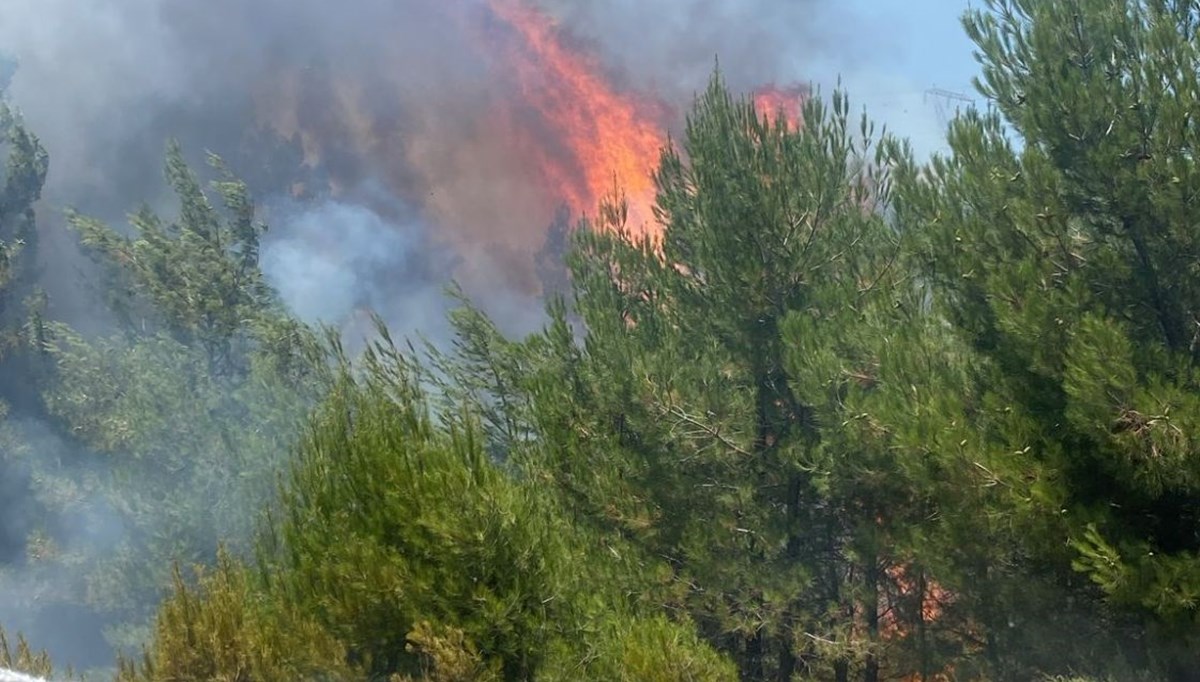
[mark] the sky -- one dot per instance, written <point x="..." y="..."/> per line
<point x="893" y="52"/>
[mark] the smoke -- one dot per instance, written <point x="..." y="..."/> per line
<point x="14" y="676"/>
<point x="412" y="96"/>
<point x="43" y="574"/>
<point x="669" y="46"/>
<point x="333" y="261"/>
<point x="391" y="144"/>
<point x="16" y="511"/>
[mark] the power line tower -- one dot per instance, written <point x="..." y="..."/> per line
<point x="947" y="103"/>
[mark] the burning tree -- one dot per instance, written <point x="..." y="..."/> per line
<point x="696" y="418"/>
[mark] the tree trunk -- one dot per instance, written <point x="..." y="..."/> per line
<point x="841" y="671"/>
<point x="871" y="613"/>
<point x="754" y="659"/>
<point x="787" y="659"/>
<point x="1168" y="314"/>
<point x="922" y="627"/>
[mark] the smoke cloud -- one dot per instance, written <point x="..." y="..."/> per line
<point x="13" y="676"/>
<point x="43" y="561"/>
<point x="390" y="143"/>
<point x="669" y="46"/>
<point x="370" y="263"/>
<point x="407" y="96"/>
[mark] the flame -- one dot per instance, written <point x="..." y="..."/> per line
<point x="495" y="133"/>
<point x="932" y="600"/>
<point x="773" y="101"/>
<point x="603" y="136"/>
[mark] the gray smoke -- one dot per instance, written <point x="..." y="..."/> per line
<point x="97" y="74"/>
<point x="669" y="46"/>
<point x="105" y="82"/>
<point x="363" y="129"/>
<point x="334" y="262"/>
<point x="43" y="576"/>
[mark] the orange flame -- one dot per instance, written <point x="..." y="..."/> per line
<point x="933" y="599"/>
<point x="490" y="143"/>
<point x="602" y="135"/>
<point x="772" y="101"/>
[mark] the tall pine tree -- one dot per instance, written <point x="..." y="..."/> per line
<point x="178" y="423"/>
<point x="25" y="166"/>
<point x="680" y="418"/>
<point x="24" y="172"/>
<point x="1059" y="238"/>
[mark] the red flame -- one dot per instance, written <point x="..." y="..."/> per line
<point x="608" y="135"/>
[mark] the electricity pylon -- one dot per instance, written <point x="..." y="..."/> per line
<point x="943" y="100"/>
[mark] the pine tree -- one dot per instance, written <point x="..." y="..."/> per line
<point x="1058" y="238"/>
<point x="24" y="174"/>
<point x="677" y="418"/>
<point x="196" y="279"/>
<point x="21" y="180"/>
<point x="399" y="551"/>
<point x="190" y="409"/>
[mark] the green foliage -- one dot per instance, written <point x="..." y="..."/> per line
<point x="447" y="656"/>
<point x="771" y="400"/>
<point x="1067" y="262"/>
<point x="222" y="630"/>
<point x="403" y="544"/>
<point x="190" y="458"/>
<point x="189" y="411"/>
<point x="368" y="520"/>
<point x="657" y="650"/>
<point x="25" y="166"/>
<point x="437" y="533"/>
<point x="197" y="278"/>
<point x="689" y="419"/>
<point x="851" y="417"/>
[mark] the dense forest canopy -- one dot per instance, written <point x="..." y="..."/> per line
<point x="850" y="416"/>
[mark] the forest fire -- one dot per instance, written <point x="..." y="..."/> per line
<point x="593" y="135"/>
<point x="525" y="121"/>
<point x="772" y="101"/>
<point x="600" y="135"/>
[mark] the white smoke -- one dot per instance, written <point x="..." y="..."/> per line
<point x="336" y="263"/>
<point x="14" y="676"/>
